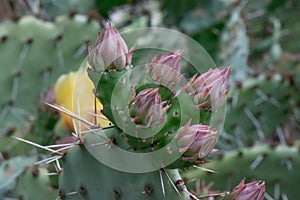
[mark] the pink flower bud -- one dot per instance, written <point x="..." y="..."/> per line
<point x="147" y="108"/>
<point x="253" y="190"/>
<point x="165" y="69"/>
<point x="110" y="52"/>
<point x="196" y="141"/>
<point x="213" y="84"/>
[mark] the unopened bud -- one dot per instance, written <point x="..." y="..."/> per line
<point x="253" y="190"/>
<point x="196" y="141"/>
<point x="213" y="84"/>
<point x="110" y="52"/>
<point x="165" y="69"/>
<point x="147" y="108"/>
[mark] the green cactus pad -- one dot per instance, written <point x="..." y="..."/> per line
<point x="10" y="170"/>
<point x="33" y="54"/>
<point x="43" y="130"/>
<point x="34" y="184"/>
<point x="99" y="180"/>
<point x="257" y="108"/>
<point x="277" y="166"/>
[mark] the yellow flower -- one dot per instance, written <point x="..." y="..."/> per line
<point x="74" y="91"/>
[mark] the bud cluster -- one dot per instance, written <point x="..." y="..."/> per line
<point x="146" y="107"/>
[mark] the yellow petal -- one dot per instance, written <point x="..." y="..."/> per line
<point x="74" y="91"/>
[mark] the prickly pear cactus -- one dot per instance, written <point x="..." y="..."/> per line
<point x="159" y="122"/>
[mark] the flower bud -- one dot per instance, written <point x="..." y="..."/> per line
<point x="164" y="69"/>
<point x="213" y="84"/>
<point x="253" y="190"/>
<point x="110" y="52"/>
<point x="196" y="141"/>
<point x="147" y="108"/>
